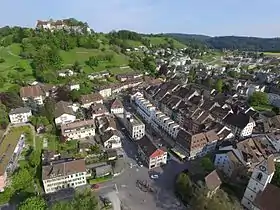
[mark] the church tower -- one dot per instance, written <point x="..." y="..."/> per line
<point x="261" y="176"/>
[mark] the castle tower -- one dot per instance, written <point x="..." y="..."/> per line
<point x="261" y="176"/>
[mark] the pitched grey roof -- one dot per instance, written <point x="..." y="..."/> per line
<point x="20" y="110"/>
<point x="63" y="107"/>
<point x="239" y="120"/>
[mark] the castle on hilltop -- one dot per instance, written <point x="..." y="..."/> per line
<point x="65" y="24"/>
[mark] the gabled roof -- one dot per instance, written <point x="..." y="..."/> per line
<point x="269" y="198"/>
<point x="76" y="125"/>
<point x="219" y="112"/>
<point x="211" y="136"/>
<point x="63" y="169"/>
<point x="108" y="134"/>
<point x="106" y="122"/>
<point x="20" y="110"/>
<point x="97" y="108"/>
<point x="149" y="148"/>
<point x="116" y="104"/>
<point x="212" y="180"/>
<point x="63" y="107"/>
<point x="90" y="98"/>
<point x="31" y="91"/>
<point x="239" y="120"/>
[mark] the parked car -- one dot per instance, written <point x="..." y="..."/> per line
<point x="95" y="186"/>
<point x="154" y="176"/>
<point x="107" y="202"/>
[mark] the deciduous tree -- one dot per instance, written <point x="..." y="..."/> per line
<point x="219" y="85"/>
<point x="258" y="98"/>
<point x="35" y="202"/>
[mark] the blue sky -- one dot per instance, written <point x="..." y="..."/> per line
<point x="210" y="17"/>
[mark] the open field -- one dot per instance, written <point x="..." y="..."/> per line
<point x="81" y="55"/>
<point x="134" y="43"/>
<point x="272" y="53"/>
<point x="14" y="65"/>
<point x="162" y="40"/>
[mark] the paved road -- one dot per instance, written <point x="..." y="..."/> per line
<point x="131" y="197"/>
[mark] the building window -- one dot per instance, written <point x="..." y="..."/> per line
<point x="259" y="177"/>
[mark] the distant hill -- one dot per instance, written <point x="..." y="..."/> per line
<point x="230" y="42"/>
<point x="188" y="36"/>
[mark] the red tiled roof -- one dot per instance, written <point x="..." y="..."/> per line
<point x="90" y="98"/>
<point x="116" y="104"/>
<point x="157" y="153"/>
<point x="31" y="91"/>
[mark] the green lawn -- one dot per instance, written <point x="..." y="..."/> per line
<point x="162" y="40"/>
<point x="133" y="43"/>
<point x="101" y="179"/>
<point x="263" y="108"/>
<point x="53" y="141"/>
<point x="12" y="61"/>
<point x="272" y="53"/>
<point x="81" y="55"/>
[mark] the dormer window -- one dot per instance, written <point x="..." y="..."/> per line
<point x="259" y="177"/>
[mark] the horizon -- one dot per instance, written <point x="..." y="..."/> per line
<point x="218" y="18"/>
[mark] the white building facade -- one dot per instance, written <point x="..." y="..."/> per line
<point x="78" y="130"/>
<point x="20" y="115"/>
<point x="261" y="176"/>
<point x="58" y="176"/>
<point x="64" y="119"/>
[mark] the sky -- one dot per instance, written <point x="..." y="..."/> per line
<point x="209" y="17"/>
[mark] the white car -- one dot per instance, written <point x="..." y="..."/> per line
<point x="154" y="176"/>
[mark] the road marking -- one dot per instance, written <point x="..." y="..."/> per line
<point x="117" y="191"/>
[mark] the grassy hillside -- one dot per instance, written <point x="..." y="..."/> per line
<point x="93" y="52"/>
<point x="163" y="40"/>
<point x="13" y="62"/>
<point x="81" y="55"/>
<point x="12" y="66"/>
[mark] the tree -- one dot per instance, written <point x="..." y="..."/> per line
<point x="21" y="179"/>
<point x="150" y="65"/>
<point x="276" y="176"/>
<point x="220" y="200"/>
<point x="207" y="164"/>
<point x="192" y="75"/>
<point x="49" y="105"/>
<point x="219" y="85"/>
<point x="183" y="186"/>
<point x="4" y="119"/>
<point x="258" y="99"/>
<point x="85" y="201"/>
<point x="75" y="95"/>
<point x="36" y="121"/>
<point x="276" y="110"/>
<point x="95" y="149"/>
<point x="232" y="74"/>
<point x="35" y="202"/>
<point x="76" y="67"/>
<point x="92" y="62"/>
